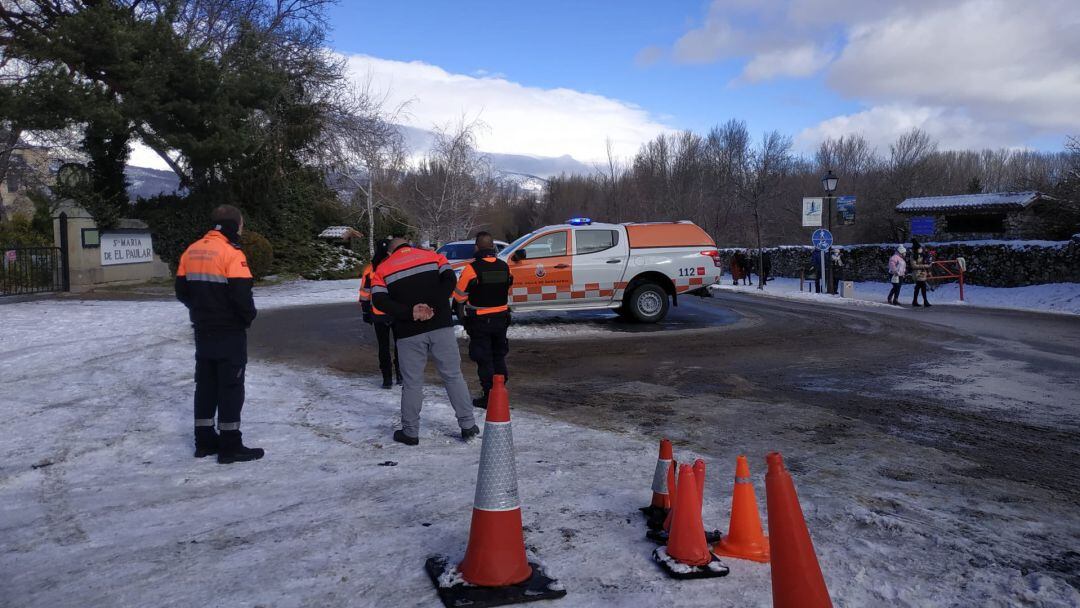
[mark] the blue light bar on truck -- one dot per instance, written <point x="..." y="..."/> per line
<point x="579" y="221"/>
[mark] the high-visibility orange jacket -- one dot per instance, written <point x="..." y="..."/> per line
<point x="366" y="279"/>
<point x="214" y="282"/>
<point x="484" y="286"/>
<point x="412" y="276"/>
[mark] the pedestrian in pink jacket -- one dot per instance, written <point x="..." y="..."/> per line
<point x="897" y="270"/>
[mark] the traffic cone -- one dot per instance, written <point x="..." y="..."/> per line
<point x="661" y="535"/>
<point x="699" y="482"/>
<point x="744" y="539"/>
<point x="495" y="570"/>
<point x="796" y="575"/>
<point x="687" y="553"/>
<point x="661" y="497"/>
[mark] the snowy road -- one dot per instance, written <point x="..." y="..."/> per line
<point x="936" y="456"/>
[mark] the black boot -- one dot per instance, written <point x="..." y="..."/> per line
<point x="481" y="401"/>
<point x="387" y="381"/>
<point x="401" y="437"/>
<point x="206" y="441"/>
<point x="400" y="380"/>
<point x="232" y="449"/>
<point x="469" y="433"/>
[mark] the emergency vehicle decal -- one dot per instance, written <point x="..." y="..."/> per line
<point x="543" y="293"/>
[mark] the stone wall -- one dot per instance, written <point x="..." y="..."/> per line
<point x="990" y="263"/>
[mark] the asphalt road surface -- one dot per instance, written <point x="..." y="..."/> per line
<point x="990" y="395"/>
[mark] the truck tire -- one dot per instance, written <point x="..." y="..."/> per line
<point x="648" y="303"/>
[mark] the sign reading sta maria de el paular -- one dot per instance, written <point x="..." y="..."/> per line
<point x="126" y="248"/>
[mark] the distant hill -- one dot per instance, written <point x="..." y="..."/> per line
<point x="529" y="172"/>
<point x="144" y="182"/>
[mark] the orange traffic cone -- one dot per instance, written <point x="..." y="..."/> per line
<point x="661" y="497"/>
<point x="744" y="539"/>
<point x="796" y="575"/>
<point x="495" y="570"/>
<point x="699" y="480"/>
<point x="687" y="553"/>
<point x="661" y="535"/>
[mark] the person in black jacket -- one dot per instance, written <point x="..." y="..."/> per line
<point x="482" y="292"/>
<point x="214" y="282"/>
<point x="413" y="286"/>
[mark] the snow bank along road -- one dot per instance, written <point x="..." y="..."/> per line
<point x="935" y="453"/>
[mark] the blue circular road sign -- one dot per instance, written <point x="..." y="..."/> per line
<point x="822" y="239"/>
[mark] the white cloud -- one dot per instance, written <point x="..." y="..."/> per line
<point x="882" y="125"/>
<point x="969" y="70"/>
<point x="519" y="119"/>
<point x="797" y="62"/>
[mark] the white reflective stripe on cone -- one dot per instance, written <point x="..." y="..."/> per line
<point x="496" y="481"/>
<point x="659" y="478"/>
<point x="228" y="426"/>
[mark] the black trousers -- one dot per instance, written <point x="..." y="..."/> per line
<point x="220" y="361"/>
<point x="384" y="334"/>
<point x="488" y="345"/>
<point x="894" y="293"/>
<point x="920" y="286"/>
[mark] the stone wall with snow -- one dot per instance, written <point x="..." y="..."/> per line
<point x="990" y="263"/>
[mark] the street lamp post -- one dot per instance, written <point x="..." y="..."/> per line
<point x="829" y="182"/>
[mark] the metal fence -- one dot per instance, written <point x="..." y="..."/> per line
<point x="25" y="270"/>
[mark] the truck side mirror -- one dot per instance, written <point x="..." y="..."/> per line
<point x="518" y="255"/>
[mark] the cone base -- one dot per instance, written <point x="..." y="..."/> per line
<point x="681" y="571"/>
<point x="661" y="536"/>
<point x="455" y="592"/>
<point x="754" y="554"/>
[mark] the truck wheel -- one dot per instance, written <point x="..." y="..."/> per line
<point x="648" y="303"/>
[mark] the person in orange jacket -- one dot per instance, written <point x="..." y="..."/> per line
<point x="382" y="322"/>
<point x="214" y="282"/>
<point x="481" y="294"/>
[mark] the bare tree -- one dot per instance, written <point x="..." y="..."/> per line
<point x="447" y="189"/>
<point x="760" y="182"/>
<point x="364" y="149"/>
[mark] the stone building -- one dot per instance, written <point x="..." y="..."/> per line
<point x="999" y="215"/>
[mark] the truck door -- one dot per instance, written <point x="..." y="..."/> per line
<point x="600" y="257"/>
<point x="546" y="272"/>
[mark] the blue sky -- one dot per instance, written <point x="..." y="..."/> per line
<point x="564" y="78"/>
<point x="586" y="46"/>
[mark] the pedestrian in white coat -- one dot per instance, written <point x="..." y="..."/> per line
<point x="897" y="270"/>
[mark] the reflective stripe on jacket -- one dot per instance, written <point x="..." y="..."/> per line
<point x="213" y="280"/>
<point x="412" y="276"/>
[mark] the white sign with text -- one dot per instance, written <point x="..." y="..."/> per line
<point x="811" y="211"/>
<point x="126" y="248"/>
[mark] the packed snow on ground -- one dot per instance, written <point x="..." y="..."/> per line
<point x="1051" y="297"/>
<point x="103" y="504"/>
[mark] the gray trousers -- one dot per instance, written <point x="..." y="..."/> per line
<point x="413" y="353"/>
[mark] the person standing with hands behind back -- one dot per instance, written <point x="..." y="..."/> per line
<point x="214" y="282"/>
<point x="414" y="286"/>
<point x="482" y="292"/>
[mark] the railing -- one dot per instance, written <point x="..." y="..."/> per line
<point x="26" y="270"/>
<point x="943" y="270"/>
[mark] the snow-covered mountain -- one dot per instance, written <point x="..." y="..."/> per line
<point x="528" y="172"/>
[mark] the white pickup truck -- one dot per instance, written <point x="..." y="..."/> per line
<point x="638" y="269"/>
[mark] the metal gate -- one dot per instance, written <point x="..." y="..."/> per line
<point x="25" y="270"/>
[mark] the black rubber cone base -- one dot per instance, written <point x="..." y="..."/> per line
<point x="661" y="536"/>
<point x="456" y="593"/>
<point x="681" y="571"/>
